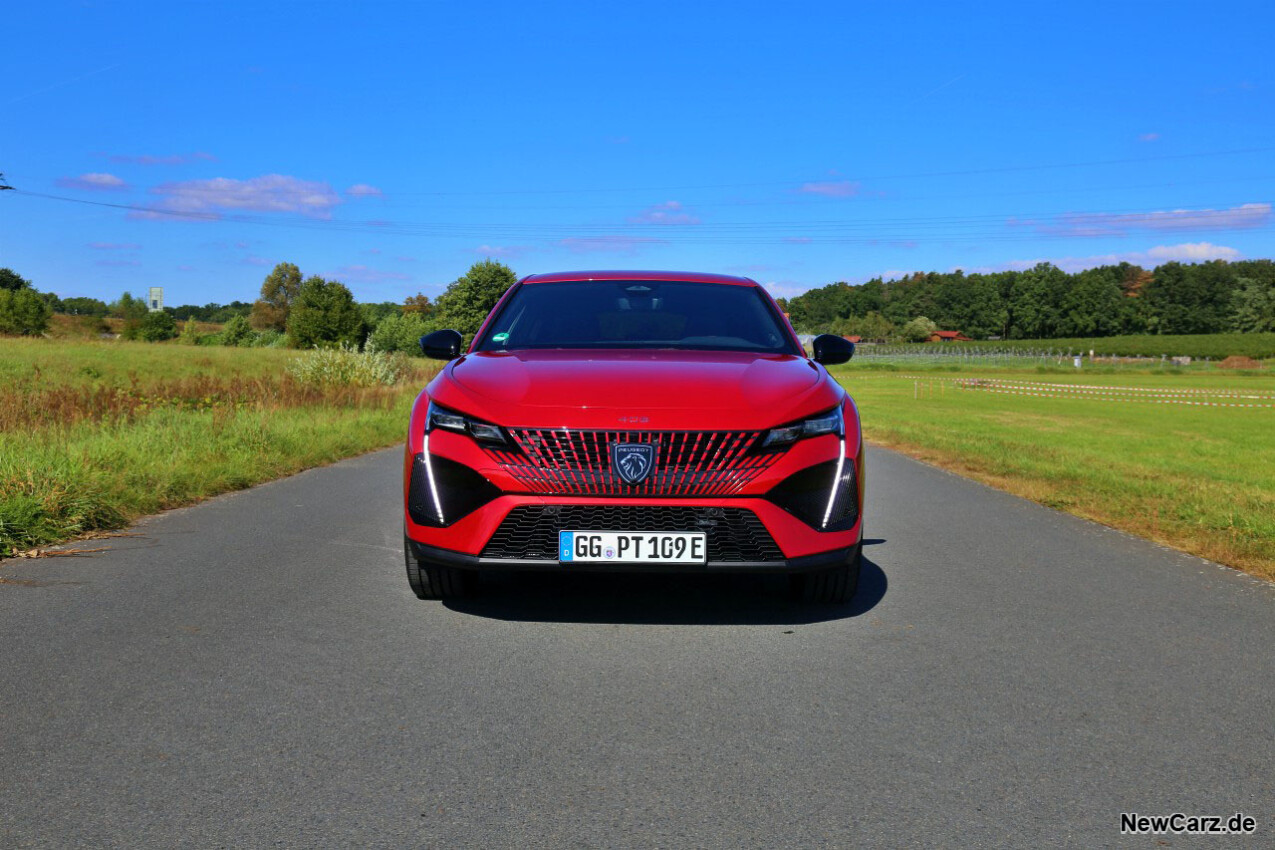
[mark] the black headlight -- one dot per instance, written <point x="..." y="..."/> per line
<point x="441" y="417"/>
<point x="831" y="422"/>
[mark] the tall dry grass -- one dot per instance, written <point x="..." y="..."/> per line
<point x="94" y="435"/>
<point x="30" y="405"/>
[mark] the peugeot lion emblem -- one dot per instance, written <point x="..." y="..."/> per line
<point x="633" y="461"/>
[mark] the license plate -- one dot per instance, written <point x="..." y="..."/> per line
<point x="663" y="547"/>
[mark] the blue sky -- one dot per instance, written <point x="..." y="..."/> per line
<point x="391" y="145"/>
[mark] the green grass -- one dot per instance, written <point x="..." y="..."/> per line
<point x="132" y="452"/>
<point x="1214" y="346"/>
<point x="1201" y="479"/>
<point x="84" y="363"/>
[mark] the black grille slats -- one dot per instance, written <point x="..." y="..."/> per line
<point x="686" y="463"/>
<point x="734" y="535"/>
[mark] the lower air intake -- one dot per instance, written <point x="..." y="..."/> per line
<point x="530" y="532"/>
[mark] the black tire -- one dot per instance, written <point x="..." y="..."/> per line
<point x="829" y="587"/>
<point x="429" y="581"/>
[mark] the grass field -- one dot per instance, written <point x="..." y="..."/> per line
<point x="96" y="434"/>
<point x="1125" y="449"/>
<point x="1214" y="346"/>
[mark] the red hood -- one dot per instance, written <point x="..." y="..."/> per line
<point x="678" y="390"/>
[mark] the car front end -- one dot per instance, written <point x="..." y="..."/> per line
<point x="664" y="453"/>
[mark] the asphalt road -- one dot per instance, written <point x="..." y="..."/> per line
<point x="255" y="672"/>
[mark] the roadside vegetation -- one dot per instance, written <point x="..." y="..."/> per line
<point x="1168" y="454"/>
<point x="112" y="411"/>
<point x="96" y="434"/>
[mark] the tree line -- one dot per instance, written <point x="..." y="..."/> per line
<point x="313" y="312"/>
<point x="1043" y="302"/>
<point x="291" y="310"/>
<point x="1046" y="302"/>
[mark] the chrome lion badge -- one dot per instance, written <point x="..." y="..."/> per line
<point x="633" y="461"/>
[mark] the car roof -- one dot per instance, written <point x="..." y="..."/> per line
<point x="694" y="277"/>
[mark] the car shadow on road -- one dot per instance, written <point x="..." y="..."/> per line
<point x="660" y="599"/>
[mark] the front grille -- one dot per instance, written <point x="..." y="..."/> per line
<point x="686" y="463"/>
<point x="734" y="535"/>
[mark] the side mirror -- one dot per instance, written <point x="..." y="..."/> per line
<point x="441" y="345"/>
<point x="831" y="349"/>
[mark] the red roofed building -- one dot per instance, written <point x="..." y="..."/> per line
<point x="949" y="336"/>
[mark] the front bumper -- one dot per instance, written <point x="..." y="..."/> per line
<point x="460" y="560"/>
<point x="448" y="475"/>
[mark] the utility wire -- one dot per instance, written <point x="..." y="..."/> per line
<point x="861" y="178"/>
<point x="874" y="230"/>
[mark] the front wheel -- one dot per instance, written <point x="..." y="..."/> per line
<point x="430" y="581"/>
<point x="835" y="586"/>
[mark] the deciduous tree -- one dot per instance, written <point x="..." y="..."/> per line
<point x="11" y="280"/>
<point x="418" y="303"/>
<point x="469" y="299"/>
<point x="23" y="312"/>
<point x="157" y="326"/>
<point x="278" y="291"/>
<point x="236" y="332"/>
<point x="1253" y="307"/>
<point x="919" y="329"/>
<point x="324" y="314"/>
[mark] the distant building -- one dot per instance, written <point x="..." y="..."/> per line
<point x="155" y="300"/>
<point x="949" y="336"/>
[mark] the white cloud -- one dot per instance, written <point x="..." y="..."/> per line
<point x="831" y="188"/>
<point x="669" y="212"/>
<point x="506" y="252"/>
<point x="269" y="193"/>
<point x="363" y="190"/>
<point x="115" y="246"/>
<point x="785" y="288"/>
<point x="1083" y="225"/>
<point x="93" y="182"/>
<point x="1149" y="137"/>
<point x="1192" y="252"/>
<point x="1186" y="252"/>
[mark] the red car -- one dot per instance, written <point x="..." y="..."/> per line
<point x="626" y="421"/>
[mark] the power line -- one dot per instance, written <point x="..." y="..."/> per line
<point x="1008" y="169"/>
<point x="877" y="229"/>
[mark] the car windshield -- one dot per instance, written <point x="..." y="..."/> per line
<point x="638" y="314"/>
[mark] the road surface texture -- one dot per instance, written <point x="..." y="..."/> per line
<point x="254" y="672"/>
